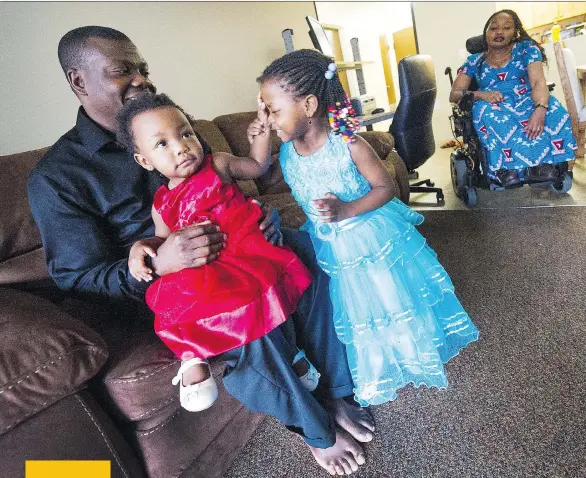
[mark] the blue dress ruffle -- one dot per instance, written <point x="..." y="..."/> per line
<point x="394" y="304"/>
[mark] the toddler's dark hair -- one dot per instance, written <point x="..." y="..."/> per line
<point x="144" y="103"/>
<point x="303" y="72"/>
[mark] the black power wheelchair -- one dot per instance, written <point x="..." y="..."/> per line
<point x="469" y="163"/>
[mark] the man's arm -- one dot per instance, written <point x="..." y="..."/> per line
<point x="79" y="255"/>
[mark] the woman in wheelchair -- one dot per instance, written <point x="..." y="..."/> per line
<point x="525" y="131"/>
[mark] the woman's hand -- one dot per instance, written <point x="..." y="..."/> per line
<point x="490" y="96"/>
<point x="534" y="127"/>
<point x="331" y="208"/>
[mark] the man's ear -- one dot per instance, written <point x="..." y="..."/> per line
<point x="140" y="159"/>
<point x="311" y="105"/>
<point x="76" y="81"/>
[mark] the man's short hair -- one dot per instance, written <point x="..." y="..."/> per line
<point x="71" y="50"/>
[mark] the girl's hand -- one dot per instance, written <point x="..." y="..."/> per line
<point x="263" y="112"/>
<point x="490" y="96"/>
<point x="256" y="128"/>
<point x="136" y="260"/>
<point x="534" y="127"/>
<point x="331" y="209"/>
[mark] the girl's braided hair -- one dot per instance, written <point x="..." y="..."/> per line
<point x="143" y="103"/>
<point x="302" y="73"/>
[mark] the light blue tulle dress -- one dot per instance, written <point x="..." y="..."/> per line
<point x="394" y="304"/>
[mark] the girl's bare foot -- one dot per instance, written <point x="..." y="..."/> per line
<point x="343" y="458"/>
<point x="355" y="420"/>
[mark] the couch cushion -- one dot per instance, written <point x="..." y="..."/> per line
<point x="74" y="428"/>
<point x="234" y="126"/>
<point x="136" y="387"/>
<point x="272" y="181"/>
<point x="44" y="355"/>
<point x="215" y="139"/>
<point x="383" y="143"/>
<point x="18" y="231"/>
<point x="292" y="215"/>
<point x="137" y="378"/>
<point x="212" y="136"/>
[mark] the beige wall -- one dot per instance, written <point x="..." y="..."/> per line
<point x="367" y="21"/>
<point x="206" y="56"/>
<point x="442" y="31"/>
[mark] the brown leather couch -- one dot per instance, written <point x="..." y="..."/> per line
<point x="77" y="385"/>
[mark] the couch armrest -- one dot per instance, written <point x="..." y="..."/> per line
<point x="382" y="142"/>
<point x="45" y="355"/>
<point x="398" y="170"/>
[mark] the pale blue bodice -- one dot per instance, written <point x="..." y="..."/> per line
<point x="329" y="170"/>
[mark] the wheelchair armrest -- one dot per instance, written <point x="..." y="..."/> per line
<point x="467" y="102"/>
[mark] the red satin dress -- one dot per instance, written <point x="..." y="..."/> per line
<point x="249" y="290"/>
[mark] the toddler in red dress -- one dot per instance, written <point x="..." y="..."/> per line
<point x="251" y="287"/>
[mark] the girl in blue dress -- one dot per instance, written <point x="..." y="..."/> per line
<point x="394" y="304"/>
<point x="519" y="123"/>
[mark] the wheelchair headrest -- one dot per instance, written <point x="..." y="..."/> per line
<point x="475" y="44"/>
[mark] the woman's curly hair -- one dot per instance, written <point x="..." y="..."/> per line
<point x="521" y="34"/>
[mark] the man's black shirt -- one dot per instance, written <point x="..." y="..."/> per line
<point x="91" y="202"/>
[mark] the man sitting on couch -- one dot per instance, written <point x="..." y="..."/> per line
<point x="92" y="202"/>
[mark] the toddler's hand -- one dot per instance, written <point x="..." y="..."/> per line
<point x="263" y="112"/>
<point x="331" y="209"/>
<point x="136" y="260"/>
<point x="256" y="128"/>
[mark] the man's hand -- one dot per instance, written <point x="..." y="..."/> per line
<point x="192" y="246"/>
<point x="534" y="127"/>
<point x="271" y="224"/>
<point x="136" y="258"/>
<point x="331" y="208"/>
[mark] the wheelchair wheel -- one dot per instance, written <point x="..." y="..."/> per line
<point x="459" y="170"/>
<point x="564" y="185"/>
<point x="470" y="197"/>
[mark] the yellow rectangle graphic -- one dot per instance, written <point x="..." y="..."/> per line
<point x="67" y="469"/>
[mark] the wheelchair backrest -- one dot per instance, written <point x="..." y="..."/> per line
<point x="475" y="44"/>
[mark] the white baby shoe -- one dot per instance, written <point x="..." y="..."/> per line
<point x="199" y="396"/>
<point x="311" y="378"/>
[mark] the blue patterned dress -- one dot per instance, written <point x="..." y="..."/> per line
<point x="500" y="126"/>
<point x="394" y="304"/>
